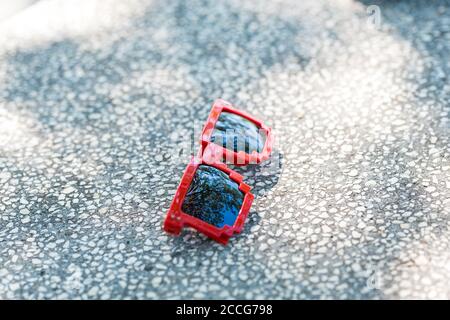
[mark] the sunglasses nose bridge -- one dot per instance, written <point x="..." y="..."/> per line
<point x="212" y="154"/>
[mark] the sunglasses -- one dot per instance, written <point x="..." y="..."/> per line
<point x="211" y="197"/>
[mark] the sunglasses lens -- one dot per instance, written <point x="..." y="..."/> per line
<point x="238" y="134"/>
<point x="213" y="197"/>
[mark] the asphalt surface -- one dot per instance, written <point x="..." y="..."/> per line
<point x="98" y="103"/>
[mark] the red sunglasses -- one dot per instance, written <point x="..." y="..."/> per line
<point x="211" y="197"/>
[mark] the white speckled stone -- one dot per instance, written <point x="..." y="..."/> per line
<point x="98" y="103"/>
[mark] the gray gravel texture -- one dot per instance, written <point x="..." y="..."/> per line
<point x="98" y="99"/>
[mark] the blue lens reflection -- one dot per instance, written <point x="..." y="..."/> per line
<point x="238" y="134"/>
<point x="213" y="197"/>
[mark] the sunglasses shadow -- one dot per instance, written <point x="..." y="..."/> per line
<point x="264" y="176"/>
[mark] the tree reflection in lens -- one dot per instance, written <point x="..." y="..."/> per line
<point x="238" y="134"/>
<point x="213" y="197"/>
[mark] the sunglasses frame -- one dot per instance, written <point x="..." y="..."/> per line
<point x="215" y="153"/>
<point x="212" y="155"/>
<point x="176" y="219"/>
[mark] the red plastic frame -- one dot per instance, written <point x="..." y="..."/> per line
<point x="176" y="219"/>
<point x="214" y="153"/>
